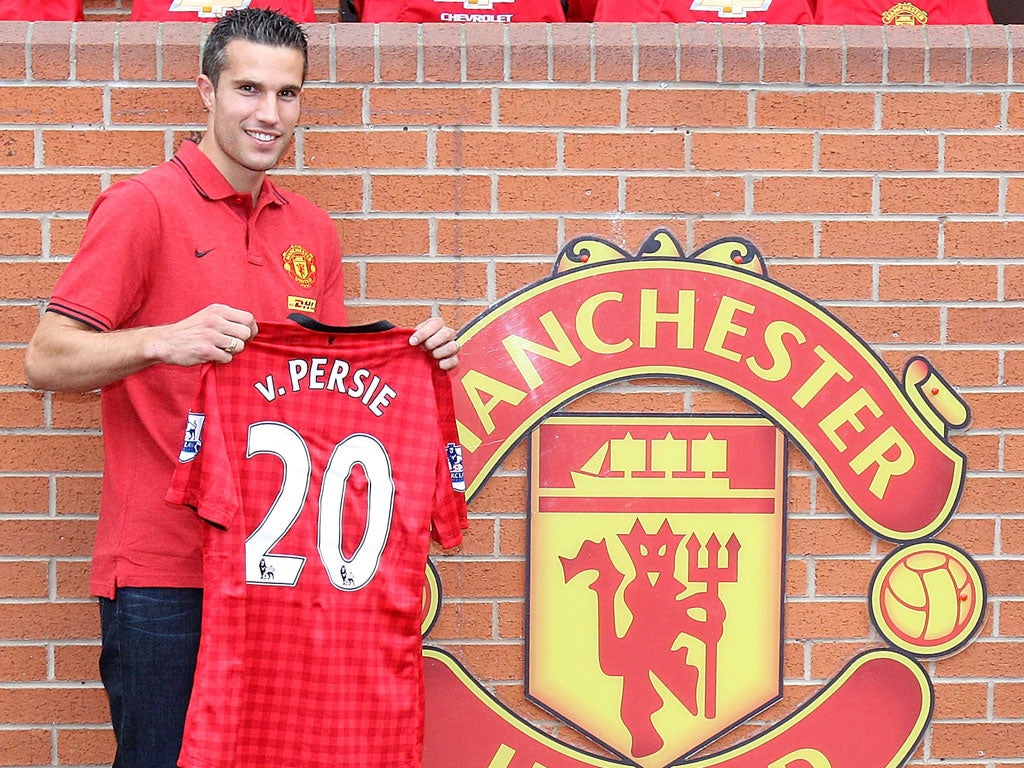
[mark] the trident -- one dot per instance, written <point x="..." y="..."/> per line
<point x="712" y="574"/>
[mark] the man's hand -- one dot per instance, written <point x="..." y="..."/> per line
<point x="214" y="334"/>
<point x="438" y="339"/>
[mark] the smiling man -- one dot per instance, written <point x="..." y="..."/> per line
<point x="176" y="268"/>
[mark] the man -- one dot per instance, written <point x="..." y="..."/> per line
<point x="175" y="268"/>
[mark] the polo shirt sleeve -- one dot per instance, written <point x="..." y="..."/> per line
<point x="107" y="280"/>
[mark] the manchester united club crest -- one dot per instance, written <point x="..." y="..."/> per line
<point x="905" y="15"/>
<point x="656" y="584"/>
<point x="301" y="265"/>
<point x="656" y="550"/>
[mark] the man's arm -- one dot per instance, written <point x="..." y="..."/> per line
<point x="66" y="355"/>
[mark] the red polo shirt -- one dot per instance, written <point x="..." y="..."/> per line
<point x="41" y="10"/>
<point x="891" y="12"/>
<point x="157" y="248"/>
<point x="714" y="11"/>
<point x="185" y="10"/>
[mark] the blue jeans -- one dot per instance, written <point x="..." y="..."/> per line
<point x="150" y="645"/>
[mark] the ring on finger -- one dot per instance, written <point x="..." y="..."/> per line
<point x="231" y="347"/>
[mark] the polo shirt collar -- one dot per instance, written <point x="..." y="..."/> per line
<point x="211" y="182"/>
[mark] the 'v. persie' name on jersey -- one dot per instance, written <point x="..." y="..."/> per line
<point x="329" y="375"/>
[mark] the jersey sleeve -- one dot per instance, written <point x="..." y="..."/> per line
<point x="449" y="517"/>
<point x="203" y="478"/>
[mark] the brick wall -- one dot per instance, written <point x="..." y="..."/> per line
<point x="881" y="172"/>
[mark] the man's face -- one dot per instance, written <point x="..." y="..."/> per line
<point x="252" y="111"/>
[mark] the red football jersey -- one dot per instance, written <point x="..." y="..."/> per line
<point x="426" y="11"/>
<point x="878" y="12"/>
<point x="324" y="459"/>
<point x="211" y="10"/>
<point x="41" y="10"/>
<point x="715" y="11"/>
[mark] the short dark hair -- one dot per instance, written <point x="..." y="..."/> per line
<point x="257" y="25"/>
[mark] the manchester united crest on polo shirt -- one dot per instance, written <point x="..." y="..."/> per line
<point x="301" y="265"/>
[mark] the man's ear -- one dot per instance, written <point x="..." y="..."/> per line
<point x="207" y="91"/>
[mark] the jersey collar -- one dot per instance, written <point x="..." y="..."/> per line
<point x="210" y="182"/>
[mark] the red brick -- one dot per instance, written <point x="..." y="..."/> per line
<point x="13" y="40"/>
<point x="689" y="108"/>
<point x="939" y="195"/>
<point x="21" y="409"/>
<point x="442" y="53"/>
<point x="430" y="106"/>
<point x="947" y="54"/>
<point x="179" y="46"/>
<point x="507" y="149"/>
<point x="890" y="324"/>
<point x="827" y="536"/>
<point x="26" y="746"/>
<point x="331" y="107"/>
<point x="78" y="663"/>
<point x="990" y="55"/>
<point x="154" y="106"/>
<point x="938" y="282"/>
<point x="872" y="152"/>
<point x="24" y="495"/>
<point x="627" y="151"/>
<point x="508" y="237"/>
<point x="559" y="106"/>
<point x="822" y="619"/>
<point x="89" y="148"/>
<point x="25" y="193"/>
<point x="22" y="664"/>
<point x="43" y="621"/>
<point x="433" y="280"/>
<point x="741" y="53"/>
<point x="879" y="239"/>
<point x="137" y="51"/>
<point x="365" y="149"/>
<point x="823" y="61"/>
<point x="50" y="105"/>
<point x="358" y="43"/>
<point x="53" y="705"/>
<point x="826" y="281"/>
<point x="485" y="52"/>
<point x="986" y="239"/>
<point x="613" y="53"/>
<point x="85" y="746"/>
<point x="807" y="194"/>
<point x="50" y="51"/>
<point x="776" y="151"/>
<point x="702" y="194"/>
<point x="529" y="52"/>
<point x="431" y="193"/>
<point x="783" y="53"/>
<point x="584" y="193"/>
<point x="864" y="55"/>
<point x="906" y="48"/>
<point x="17" y="149"/>
<point x="78" y="495"/>
<point x="95" y="51"/>
<point x="945" y="111"/>
<point x="773" y="238"/>
<point x="700" y="53"/>
<point x="62" y="453"/>
<point x="361" y="237"/>
<point x="570" y="53"/>
<point x="656" y="52"/>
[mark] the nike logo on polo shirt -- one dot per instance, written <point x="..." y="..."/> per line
<point x="200" y="254"/>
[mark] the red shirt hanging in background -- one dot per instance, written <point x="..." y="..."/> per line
<point x="879" y="12"/>
<point x="426" y="11"/>
<point x="714" y="11"/>
<point x="41" y="10"/>
<point x="211" y="10"/>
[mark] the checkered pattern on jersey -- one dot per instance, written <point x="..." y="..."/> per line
<point x="314" y="567"/>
